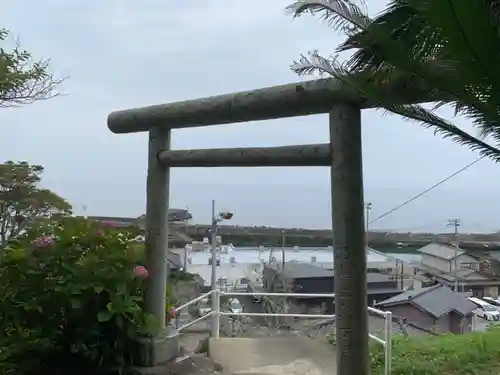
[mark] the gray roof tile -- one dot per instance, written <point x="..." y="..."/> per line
<point x="437" y="300"/>
<point x="462" y="274"/>
<point x="296" y="270"/>
<point x="465" y="274"/>
<point x="441" y="251"/>
<point x="299" y="270"/>
<point x="376" y="326"/>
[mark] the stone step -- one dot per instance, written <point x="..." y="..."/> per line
<point x="273" y="356"/>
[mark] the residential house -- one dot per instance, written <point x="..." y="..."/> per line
<point x="176" y="237"/>
<point x="491" y="262"/>
<point x="399" y="326"/>
<point x="455" y="268"/>
<point x="376" y="326"/>
<point x="307" y="278"/>
<point x="446" y="258"/>
<point x="433" y="308"/>
<point x="118" y="222"/>
<point x="175" y="215"/>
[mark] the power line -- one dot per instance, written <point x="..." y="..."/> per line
<point x="418" y="195"/>
<point x="427" y="190"/>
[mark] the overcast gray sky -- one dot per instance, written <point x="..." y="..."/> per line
<point x="124" y="53"/>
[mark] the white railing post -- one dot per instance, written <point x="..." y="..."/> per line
<point x="215" y="313"/>
<point x="388" y="343"/>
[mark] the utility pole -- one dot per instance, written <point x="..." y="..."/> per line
<point x="214" y="247"/>
<point x="368" y="207"/>
<point x="216" y="219"/>
<point x="185" y="249"/>
<point x="283" y="249"/>
<point x="402" y="275"/>
<point x="455" y="223"/>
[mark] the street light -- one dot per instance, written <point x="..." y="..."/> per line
<point x="225" y="216"/>
<point x="216" y="219"/>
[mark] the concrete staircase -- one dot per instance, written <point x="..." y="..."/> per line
<point x="273" y="356"/>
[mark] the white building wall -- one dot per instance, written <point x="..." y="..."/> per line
<point x="453" y="265"/>
<point x="436" y="263"/>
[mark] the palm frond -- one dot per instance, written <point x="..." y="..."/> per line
<point x="331" y="67"/>
<point x="342" y="15"/>
<point x="432" y="44"/>
<point x="468" y="83"/>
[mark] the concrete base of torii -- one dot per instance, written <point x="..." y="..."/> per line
<point x="152" y="355"/>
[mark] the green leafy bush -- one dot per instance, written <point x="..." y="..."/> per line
<point x="71" y="298"/>
<point x="470" y="354"/>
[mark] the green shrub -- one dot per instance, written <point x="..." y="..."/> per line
<point x="475" y="354"/>
<point x="71" y="298"/>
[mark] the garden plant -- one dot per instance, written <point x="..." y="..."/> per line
<point x="469" y="354"/>
<point x="71" y="299"/>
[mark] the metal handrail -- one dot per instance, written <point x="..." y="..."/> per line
<point x="269" y="294"/>
<point x="187" y="304"/>
<point x="377" y="339"/>
<point x="378" y="312"/>
<point x="197" y="320"/>
<point x="310" y="316"/>
<point x="216" y="313"/>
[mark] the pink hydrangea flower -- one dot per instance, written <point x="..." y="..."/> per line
<point x="44" y="241"/>
<point x="171" y="314"/>
<point x="141" y="271"/>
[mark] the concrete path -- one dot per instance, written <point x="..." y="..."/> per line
<point x="273" y="356"/>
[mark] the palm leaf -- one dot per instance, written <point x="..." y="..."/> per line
<point x="409" y="46"/>
<point x="332" y="68"/>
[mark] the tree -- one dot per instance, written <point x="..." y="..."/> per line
<point x="447" y="49"/>
<point x="22" y="201"/>
<point x="22" y="79"/>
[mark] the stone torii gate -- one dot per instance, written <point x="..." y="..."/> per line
<point x="342" y="154"/>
